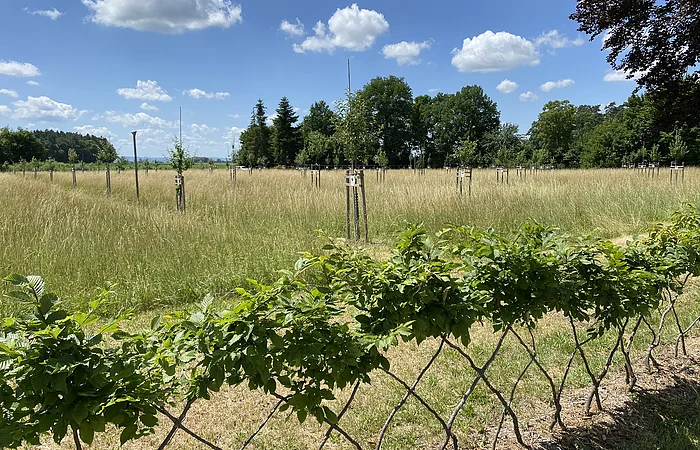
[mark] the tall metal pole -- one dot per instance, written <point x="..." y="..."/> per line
<point x="136" y="167"/>
<point x="352" y="163"/>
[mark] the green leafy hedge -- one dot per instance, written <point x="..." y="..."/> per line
<point x="325" y="325"/>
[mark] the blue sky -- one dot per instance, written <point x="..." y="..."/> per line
<point x="110" y="67"/>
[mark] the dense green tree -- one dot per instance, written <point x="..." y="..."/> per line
<point x="317" y="148"/>
<point x="607" y="145"/>
<point x="255" y="141"/>
<point x="390" y="101"/>
<point x="57" y="144"/>
<point x="422" y="131"/>
<point x="354" y="130"/>
<point x="468" y="114"/>
<point x="20" y="144"/>
<point x="503" y="147"/>
<point x="321" y="118"/>
<point x="676" y="107"/>
<point x="286" y="137"/>
<point x="553" y="131"/>
<point x="586" y="118"/>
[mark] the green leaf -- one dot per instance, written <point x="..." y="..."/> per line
<point x="16" y="279"/>
<point x="56" y="316"/>
<point x="80" y="412"/>
<point x="20" y="296"/>
<point x="330" y="415"/>
<point x="87" y="434"/>
<point x="113" y="414"/>
<point x="149" y="421"/>
<point x="127" y="434"/>
<point x="111" y="327"/>
<point x="60" y="430"/>
<point x="276" y="340"/>
<point x="46" y="302"/>
<point x="318" y="412"/>
<point x="301" y="415"/>
<point x="97" y="423"/>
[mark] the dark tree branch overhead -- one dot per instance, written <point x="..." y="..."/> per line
<point x="656" y="41"/>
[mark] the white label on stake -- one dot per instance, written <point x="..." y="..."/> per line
<point x="353" y="181"/>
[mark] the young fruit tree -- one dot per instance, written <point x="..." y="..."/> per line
<point x="180" y="160"/>
<point x="73" y="160"/>
<point x="51" y="164"/>
<point x="107" y="155"/>
<point x="354" y="131"/>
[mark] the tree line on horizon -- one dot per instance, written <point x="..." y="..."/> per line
<point x="384" y="125"/>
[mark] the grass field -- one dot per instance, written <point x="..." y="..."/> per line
<point x="78" y="238"/>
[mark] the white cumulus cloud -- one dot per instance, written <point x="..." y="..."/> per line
<point x="506" y="86"/>
<point x="554" y="39"/>
<point x="95" y="131"/>
<point x="198" y="94"/>
<point x="5" y="111"/>
<point x="235" y="116"/>
<point x="52" y="14"/>
<point x="292" y="29"/>
<point x="33" y="83"/>
<point x="44" y="108"/>
<point x="202" y="129"/>
<point x="232" y="134"/>
<point x="620" y="75"/>
<point x="9" y="92"/>
<point x="145" y="90"/>
<point x="493" y="52"/>
<point x="146" y="107"/>
<point x="136" y="120"/>
<point x="164" y="16"/>
<point x="405" y="52"/>
<point x="549" y="85"/>
<point x="350" y="28"/>
<point x="18" y="69"/>
<point x="528" y="97"/>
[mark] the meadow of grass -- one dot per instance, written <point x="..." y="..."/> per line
<point x="78" y="238"/>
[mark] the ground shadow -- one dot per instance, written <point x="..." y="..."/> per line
<point x="666" y="418"/>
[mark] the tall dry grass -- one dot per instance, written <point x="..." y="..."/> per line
<point x="78" y="239"/>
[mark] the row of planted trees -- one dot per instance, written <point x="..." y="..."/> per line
<point x="328" y="324"/>
<point x="180" y="160"/>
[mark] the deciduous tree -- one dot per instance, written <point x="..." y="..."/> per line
<point x="390" y="101"/>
